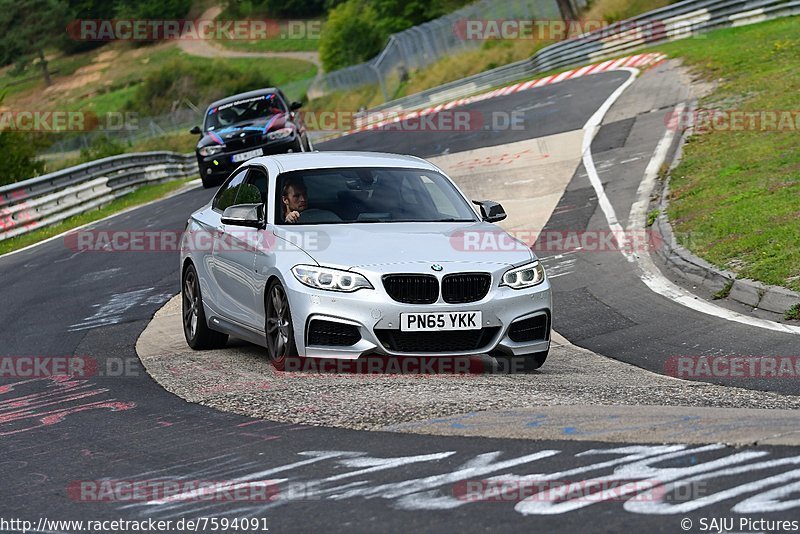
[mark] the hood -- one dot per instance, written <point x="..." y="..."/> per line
<point x="377" y="245"/>
<point x="243" y="131"/>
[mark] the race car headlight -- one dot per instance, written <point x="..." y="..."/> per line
<point x="331" y="279"/>
<point x="526" y="276"/>
<point x="211" y="150"/>
<point x="279" y="134"/>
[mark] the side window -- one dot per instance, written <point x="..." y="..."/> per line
<point x="227" y="193"/>
<point x="280" y="102"/>
<point x="257" y="178"/>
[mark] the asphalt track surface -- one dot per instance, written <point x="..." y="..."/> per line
<point x="57" y="302"/>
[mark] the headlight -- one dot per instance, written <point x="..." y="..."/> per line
<point x="279" y="134"/>
<point x="211" y="150"/>
<point x="331" y="279"/>
<point x="526" y="276"/>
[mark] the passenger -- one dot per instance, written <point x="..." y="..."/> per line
<point x="295" y="200"/>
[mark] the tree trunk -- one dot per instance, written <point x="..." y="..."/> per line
<point x="567" y="10"/>
<point x="45" y="72"/>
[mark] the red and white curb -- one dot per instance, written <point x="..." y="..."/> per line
<point x="639" y="60"/>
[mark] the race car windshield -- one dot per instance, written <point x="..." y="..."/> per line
<point x="243" y="111"/>
<point x="373" y="195"/>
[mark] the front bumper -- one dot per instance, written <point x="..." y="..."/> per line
<point x="373" y="310"/>
<point x="220" y="166"/>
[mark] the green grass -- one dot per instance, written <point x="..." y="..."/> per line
<point x="182" y="142"/>
<point x="279" y="71"/>
<point x="117" y="81"/>
<point x="652" y="216"/>
<point x="737" y="194"/>
<point x="140" y="196"/>
<point x="272" y="45"/>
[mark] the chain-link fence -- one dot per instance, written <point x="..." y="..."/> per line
<point x="131" y="128"/>
<point x="424" y="44"/>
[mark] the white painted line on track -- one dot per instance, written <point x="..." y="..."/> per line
<point x="590" y="129"/>
<point x="649" y="273"/>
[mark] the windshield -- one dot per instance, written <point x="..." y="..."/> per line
<point x="252" y="109"/>
<point x="369" y="195"/>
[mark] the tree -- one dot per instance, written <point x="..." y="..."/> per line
<point x="28" y="27"/>
<point x="350" y="36"/>
<point x="276" y="8"/>
<point x="153" y="9"/>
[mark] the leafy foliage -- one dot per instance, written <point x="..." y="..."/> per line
<point x="352" y="35"/>
<point x="19" y="157"/>
<point x="357" y="29"/>
<point x="27" y="28"/>
<point x="101" y="147"/>
<point x="165" y="89"/>
<point x="275" y="8"/>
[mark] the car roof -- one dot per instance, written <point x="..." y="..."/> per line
<point x="243" y="96"/>
<point x="326" y="160"/>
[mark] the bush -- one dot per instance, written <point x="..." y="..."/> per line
<point x="165" y="89"/>
<point x="19" y="157"/>
<point x="101" y="147"/>
<point x="153" y="9"/>
<point x="350" y="36"/>
<point x="275" y="8"/>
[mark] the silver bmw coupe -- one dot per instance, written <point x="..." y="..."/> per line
<point x="350" y="254"/>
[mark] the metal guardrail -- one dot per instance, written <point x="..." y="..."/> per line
<point x="48" y="199"/>
<point x="677" y="21"/>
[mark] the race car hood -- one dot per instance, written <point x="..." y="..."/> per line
<point x="243" y="132"/>
<point x="377" y="245"/>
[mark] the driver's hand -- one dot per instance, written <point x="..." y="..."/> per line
<point x="292" y="216"/>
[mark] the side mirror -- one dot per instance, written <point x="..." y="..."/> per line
<point x="491" y="211"/>
<point x="294" y="106"/>
<point x="196" y="130"/>
<point x="249" y="215"/>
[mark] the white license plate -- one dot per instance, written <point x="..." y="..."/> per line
<point x="438" y="321"/>
<point x="244" y="156"/>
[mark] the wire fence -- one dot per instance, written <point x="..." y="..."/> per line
<point x="423" y="45"/>
<point x="139" y="128"/>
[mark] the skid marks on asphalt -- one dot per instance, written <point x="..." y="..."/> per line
<point x="641" y="479"/>
<point x="115" y="310"/>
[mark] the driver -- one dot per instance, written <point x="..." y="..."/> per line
<point x="295" y="200"/>
<point x="226" y="116"/>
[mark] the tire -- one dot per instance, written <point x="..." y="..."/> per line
<point x="523" y="362"/>
<point x="207" y="183"/>
<point x="195" y="328"/>
<point x="279" y="328"/>
<point x="309" y="146"/>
